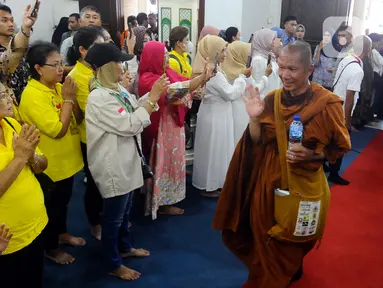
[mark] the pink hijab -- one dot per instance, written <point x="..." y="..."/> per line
<point x="262" y="42"/>
<point x="208" y="30"/>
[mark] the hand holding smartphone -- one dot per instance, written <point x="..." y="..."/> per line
<point x="130" y="30"/>
<point x="269" y="59"/>
<point x="35" y="9"/>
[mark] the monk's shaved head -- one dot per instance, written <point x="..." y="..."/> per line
<point x="295" y="67"/>
<point x="301" y="48"/>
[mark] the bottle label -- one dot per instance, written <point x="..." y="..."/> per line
<point x="296" y="132"/>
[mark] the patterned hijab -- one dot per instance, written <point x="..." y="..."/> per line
<point x="140" y="35"/>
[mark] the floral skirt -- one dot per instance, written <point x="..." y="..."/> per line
<point x="168" y="186"/>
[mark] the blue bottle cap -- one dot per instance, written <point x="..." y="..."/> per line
<point x="297" y="118"/>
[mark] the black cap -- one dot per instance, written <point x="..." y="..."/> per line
<point x="103" y="53"/>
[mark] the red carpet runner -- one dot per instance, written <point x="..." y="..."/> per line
<point x="351" y="254"/>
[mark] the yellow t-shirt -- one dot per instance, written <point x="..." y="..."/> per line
<point x="41" y="106"/>
<point x="22" y="206"/>
<point x="82" y="75"/>
<point x="187" y="69"/>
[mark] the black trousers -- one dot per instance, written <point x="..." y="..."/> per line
<point x="92" y="197"/>
<point x="57" y="209"/>
<point x="335" y="168"/>
<point x="24" y="268"/>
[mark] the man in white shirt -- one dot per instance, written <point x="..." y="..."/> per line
<point x="347" y="84"/>
<point x="89" y="16"/>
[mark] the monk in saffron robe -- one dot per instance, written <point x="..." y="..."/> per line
<point x="245" y="211"/>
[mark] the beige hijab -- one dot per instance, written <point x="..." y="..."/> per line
<point x="107" y="77"/>
<point x="207" y="47"/>
<point x="236" y="59"/>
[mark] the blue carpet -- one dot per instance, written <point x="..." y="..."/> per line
<point x="185" y="251"/>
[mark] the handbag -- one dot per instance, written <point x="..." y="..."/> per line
<point x="300" y="211"/>
<point x="147" y="172"/>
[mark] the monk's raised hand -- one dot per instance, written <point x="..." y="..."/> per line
<point x="254" y="103"/>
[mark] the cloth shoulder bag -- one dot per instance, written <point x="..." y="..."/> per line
<point x="300" y="211"/>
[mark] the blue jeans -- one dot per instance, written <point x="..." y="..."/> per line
<point x="116" y="235"/>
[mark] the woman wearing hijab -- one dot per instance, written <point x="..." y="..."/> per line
<point x="114" y="121"/>
<point x="214" y="143"/>
<point x="208" y="30"/>
<point x="142" y="37"/>
<point x="323" y="64"/>
<point x="61" y="28"/>
<point x="265" y="44"/>
<point x="234" y="66"/>
<point x="300" y="32"/>
<point x="164" y="139"/>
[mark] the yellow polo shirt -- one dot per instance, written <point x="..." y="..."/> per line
<point x="22" y="206"/>
<point x="41" y="106"/>
<point x="82" y="75"/>
<point x="187" y="69"/>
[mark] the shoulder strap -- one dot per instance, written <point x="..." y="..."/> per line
<point x="9" y="123"/>
<point x="337" y="80"/>
<point x="189" y="59"/>
<point x="280" y="130"/>
<point x="172" y="56"/>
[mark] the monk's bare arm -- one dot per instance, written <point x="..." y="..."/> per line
<point x="255" y="130"/>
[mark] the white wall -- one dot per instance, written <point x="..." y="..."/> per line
<point x="224" y="13"/>
<point x="247" y="15"/>
<point x="50" y="14"/>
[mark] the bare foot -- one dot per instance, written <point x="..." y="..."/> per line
<point x="129" y="224"/>
<point x="96" y="232"/>
<point x="59" y="257"/>
<point x="125" y="273"/>
<point x="214" y="194"/>
<point x="136" y="253"/>
<point x="67" y="239"/>
<point x="171" y="210"/>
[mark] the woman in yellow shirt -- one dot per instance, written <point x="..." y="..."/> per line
<point x="81" y="74"/>
<point x="178" y="57"/>
<point x="53" y="108"/>
<point x="21" y="200"/>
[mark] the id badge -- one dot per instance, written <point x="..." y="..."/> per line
<point x="308" y="218"/>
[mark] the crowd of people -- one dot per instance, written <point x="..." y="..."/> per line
<point x="121" y="113"/>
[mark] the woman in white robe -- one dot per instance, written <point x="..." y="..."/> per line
<point x="214" y="142"/>
<point x="234" y="66"/>
<point x="265" y="43"/>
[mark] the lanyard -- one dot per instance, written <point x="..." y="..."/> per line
<point x="124" y="100"/>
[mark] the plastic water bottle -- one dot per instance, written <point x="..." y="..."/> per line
<point x="296" y="131"/>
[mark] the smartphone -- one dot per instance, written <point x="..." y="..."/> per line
<point x="249" y="59"/>
<point x="251" y="38"/>
<point x="216" y="62"/>
<point x="130" y="30"/>
<point x="35" y="9"/>
<point x="125" y="66"/>
<point x="269" y="59"/>
<point x="281" y="193"/>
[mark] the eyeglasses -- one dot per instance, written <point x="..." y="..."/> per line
<point x="57" y="66"/>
